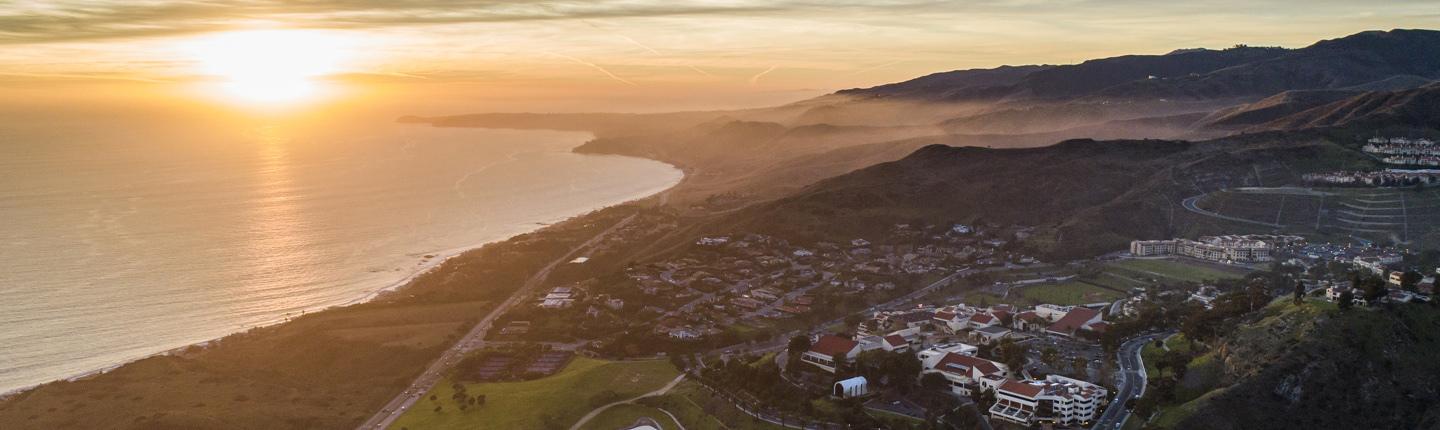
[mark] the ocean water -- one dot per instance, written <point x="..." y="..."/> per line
<point x="120" y="239"/>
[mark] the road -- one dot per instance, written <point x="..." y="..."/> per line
<point x="659" y="392"/>
<point x="1132" y="381"/>
<point x="475" y="339"/>
<point x="1190" y="205"/>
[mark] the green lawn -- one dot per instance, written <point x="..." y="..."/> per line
<point x="697" y="409"/>
<point x="1178" y="270"/>
<point x="563" y="397"/>
<point x="1067" y="293"/>
<point x="622" y="416"/>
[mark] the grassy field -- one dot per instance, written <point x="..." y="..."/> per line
<point x="1175" y="270"/>
<point x="697" y="409"/>
<point x="622" y="416"/>
<point x="1067" y="293"/>
<point x="558" y="399"/>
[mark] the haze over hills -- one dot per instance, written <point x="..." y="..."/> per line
<point x="1186" y="94"/>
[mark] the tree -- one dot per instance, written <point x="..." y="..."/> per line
<point x="853" y="320"/>
<point x="1013" y="354"/>
<point x="1299" y="292"/>
<point x="1346" y="300"/>
<point x="799" y="344"/>
<point x="1048" y="355"/>
<point x="1410" y="279"/>
<point x="1374" y="290"/>
<point x="934" y="381"/>
<point x="1080" y="367"/>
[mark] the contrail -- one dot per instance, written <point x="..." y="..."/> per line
<point x="595" y="66"/>
<point x="871" y="69"/>
<point x="756" y="79"/>
<point x="637" y="43"/>
<point x="632" y="41"/>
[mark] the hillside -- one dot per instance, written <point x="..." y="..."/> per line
<point x="1363" y="368"/>
<point x="1419" y="108"/>
<point x="1085" y="197"/>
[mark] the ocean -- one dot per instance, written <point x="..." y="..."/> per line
<point x="122" y="238"/>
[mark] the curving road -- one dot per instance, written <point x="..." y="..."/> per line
<point x="1190" y="205"/>
<point x="1132" y="381"/>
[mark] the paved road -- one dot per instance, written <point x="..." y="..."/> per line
<point x="1132" y="381"/>
<point x="1190" y="205"/>
<point x="475" y="339"/>
<point x="659" y="392"/>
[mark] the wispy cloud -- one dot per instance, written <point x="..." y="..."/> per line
<point x="593" y="66"/>
<point x="100" y="19"/>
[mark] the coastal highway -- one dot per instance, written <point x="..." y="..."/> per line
<point x="1132" y="381"/>
<point x="473" y="340"/>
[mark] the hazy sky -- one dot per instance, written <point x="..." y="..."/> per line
<point x="727" y="52"/>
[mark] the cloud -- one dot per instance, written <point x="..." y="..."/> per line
<point x="68" y="20"/>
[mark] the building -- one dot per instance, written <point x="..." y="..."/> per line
<point x="965" y="372"/>
<point x="827" y="348"/>
<point x="1334" y="291"/>
<point x="1055" y="399"/>
<point x="1252" y="248"/>
<point x="558" y="298"/>
<point x="851" y="388"/>
<point x="1148" y="248"/>
<point x="1074" y="321"/>
<point x="991" y="334"/>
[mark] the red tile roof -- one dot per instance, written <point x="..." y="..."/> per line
<point x="964" y="363"/>
<point x="832" y="345"/>
<point x="895" y="340"/>
<point x="944" y="316"/>
<point x="1073" y="320"/>
<point x="1020" y="388"/>
<point x="982" y="318"/>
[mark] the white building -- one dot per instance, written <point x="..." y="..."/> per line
<point x="965" y="372"/>
<point x="823" y="352"/>
<point x="851" y="388"/>
<point x="1055" y="399"/>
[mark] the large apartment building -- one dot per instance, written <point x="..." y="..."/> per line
<point x="1252" y="248"/>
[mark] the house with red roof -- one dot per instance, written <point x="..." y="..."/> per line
<point x="827" y="348"/>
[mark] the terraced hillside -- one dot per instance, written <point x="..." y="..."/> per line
<point x="1398" y="215"/>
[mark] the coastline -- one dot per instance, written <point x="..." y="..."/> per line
<point x="426" y="265"/>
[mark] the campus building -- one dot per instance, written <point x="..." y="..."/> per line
<point x="964" y="372"/>
<point x="1055" y="399"/>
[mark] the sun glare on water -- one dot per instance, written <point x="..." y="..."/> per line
<point x="270" y="66"/>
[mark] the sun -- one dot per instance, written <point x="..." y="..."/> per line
<point x="269" y="66"/>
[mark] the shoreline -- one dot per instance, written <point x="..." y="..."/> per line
<point x="426" y="266"/>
